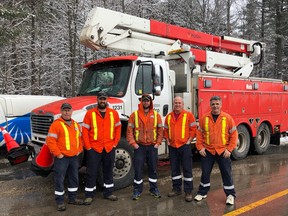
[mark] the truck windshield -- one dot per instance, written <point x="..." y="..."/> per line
<point x="111" y="77"/>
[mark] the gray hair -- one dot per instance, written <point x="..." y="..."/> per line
<point x="215" y="98"/>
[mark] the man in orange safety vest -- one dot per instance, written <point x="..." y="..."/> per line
<point x="179" y="131"/>
<point x="65" y="143"/>
<point x="216" y="138"/>
<point x="101" y="134"/>
<point x="145" y="133"/>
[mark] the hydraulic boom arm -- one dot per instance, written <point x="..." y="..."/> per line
<point x="114" y="30"/>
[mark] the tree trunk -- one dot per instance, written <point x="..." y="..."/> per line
<point x="34" y="87"/>
<point x="72" y="20"/>
<point x="228" y="17"/>
<point x="279" y="39"/>
<point x="262" y="34"/>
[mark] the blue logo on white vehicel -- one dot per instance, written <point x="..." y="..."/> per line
<point x="18" y="128"/>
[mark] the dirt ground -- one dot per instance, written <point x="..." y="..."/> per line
<point x="23" y="193"/>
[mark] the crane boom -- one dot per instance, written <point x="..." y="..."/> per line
<point x="198" y="38"/>
<point x="114" y="30"/>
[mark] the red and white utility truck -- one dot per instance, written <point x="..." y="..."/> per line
<point x="177" y="61"/>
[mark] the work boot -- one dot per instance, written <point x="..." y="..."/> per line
<point x="61" y="207"/>
<point x="199" y="197"/>
<point x="155" y="193"/>
<point x="136" y="195"/>
<point x="188" y="197"/>
<point x="88" y="201"/>
<point x="75" y="202"/>
<point x="111" y="197"/>
<point x="174" y="193"/>
<point x="230" y="200"/>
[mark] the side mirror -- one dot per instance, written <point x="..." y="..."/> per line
<point x="157" y="80"/>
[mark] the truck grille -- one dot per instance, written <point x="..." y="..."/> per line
<point x="41" y="123"/>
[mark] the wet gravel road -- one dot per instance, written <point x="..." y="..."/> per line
<point x="23" y="193"/>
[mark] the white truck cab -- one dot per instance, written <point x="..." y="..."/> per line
<point x="15" y="115"/>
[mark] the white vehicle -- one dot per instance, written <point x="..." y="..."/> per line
<point x="179" y="61"/>
<point x="15" y="115"/>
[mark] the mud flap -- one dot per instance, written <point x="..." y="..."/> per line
<point x="275" y="139"/>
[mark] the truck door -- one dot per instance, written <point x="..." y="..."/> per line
<point x="143" y="84"/>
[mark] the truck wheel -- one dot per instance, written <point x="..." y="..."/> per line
<point x="262" y="139"/>
<point x="243" y="143"/>
<point x="123" y="172"/>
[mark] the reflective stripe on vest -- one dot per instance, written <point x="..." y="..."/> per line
<point x="206" y="129"/>
<point x="94" y="122"/>
<point x="224" y="123"/>
<point x="137" y="125"/>
<point x="111" y="125"/>
<point x="182" y="128"/>
<point x="77" y="133"/>
<point x="223" y="130"/>
<point x="183" y="125"/>
<point x="169" y="128"/>
<point x="155" y="125"/>
<point x="67" y="139"/>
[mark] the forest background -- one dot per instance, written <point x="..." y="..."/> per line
<point x="40" y="52"/>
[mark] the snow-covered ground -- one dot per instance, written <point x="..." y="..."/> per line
<point x="284" y="140"/>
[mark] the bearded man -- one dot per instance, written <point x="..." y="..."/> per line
<point x="101" y="134"/>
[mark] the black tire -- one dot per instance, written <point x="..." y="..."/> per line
<point x="123" y="172"/>
<point x="243" y="143"/>
<point x="262" y="139"/>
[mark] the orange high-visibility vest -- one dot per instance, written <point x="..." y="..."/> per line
<point x="137" y="125"/>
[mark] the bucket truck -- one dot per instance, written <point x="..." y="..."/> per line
<point x="168" y="61"/>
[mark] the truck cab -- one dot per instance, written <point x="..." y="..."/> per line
<point x="124" y="79"/>
<point x="15" y="115"/>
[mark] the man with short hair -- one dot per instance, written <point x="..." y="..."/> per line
<point x="179" y="131"/>
<point x="101" y="134"/>
<point x="145" y="133"/>
<point x="216" y="138"/>
<point x="65" y="143"/>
